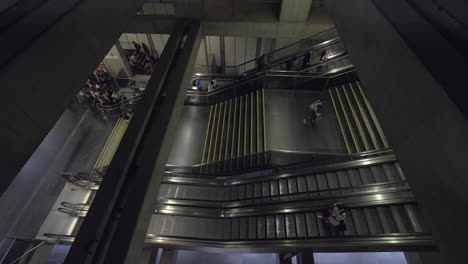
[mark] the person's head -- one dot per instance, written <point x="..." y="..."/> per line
<point x="213" y="78"/>
<point x="340" y="206"/>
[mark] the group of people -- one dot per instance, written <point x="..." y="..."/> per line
<point x="98" y="89"/>
<point x="261" y="60"/>
<point x="199" y="85"/>
<point x="142" y="58"/>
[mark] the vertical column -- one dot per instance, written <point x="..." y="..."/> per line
<point x="126" y="66"/>
<point x="168" y="256"/>
<point x="139" y="163"/>
<point x="149" y="255"/>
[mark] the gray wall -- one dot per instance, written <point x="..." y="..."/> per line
<point x="426" y="128"/>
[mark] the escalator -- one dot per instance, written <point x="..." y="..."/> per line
<point x="239" y="196"/>
<point x="283" y="209"/>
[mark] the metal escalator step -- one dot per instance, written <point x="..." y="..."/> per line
<point x="391" y="172"/>
<point x="311" y="222"/>
<point x="311" y="183"/>
<point x="243" y="228"/>
<point x="379" y="175"/>
<point x="332" y="180"/>
<point x="283" y="187"/>
<point x="266" y="189"/>
<point x="322" y="182"/>
<point x="292" y="185"/>
<point x="280" y="227"/>
<point x="234" y="193"/>
<point x="235" y="223"/>
<point x="301" y="184"/>
<point x="323" y="229"/>
<point x="261" y="227"/>
<point x="252" y="227"/>
<point x="366" y="175"/>
<point x="270" y="227"/>
<point x="242" y="192"/>
<point x="257" y="190"/>
<point x="300" y="225"/>
<point x="386" y="219"/>
<point x="290" y="226"/>
<point x="373" y="221"/>
<point x="274" y="187"/>
<point x="359" y="221"/>
<point x="343" y="179"/>
<point x="226" y="228"/>
<point x="351" y="229"/>
<point x="224" y="193"/>
<point x="354" y="177"/>
<point x="249" y="191"/>
<point x="400" y="218"/>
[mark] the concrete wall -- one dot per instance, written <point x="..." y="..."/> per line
<point x="427" y="129"/>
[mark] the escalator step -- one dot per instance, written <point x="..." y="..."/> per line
<point x="359" y="221"/>
<point x="261" y="228"/>
<point x="311" y="221"/>
<point x="301" y="225"/>
<point x="280" y="226"/>
<point x="290" y="226"/>
<point x="373" y="221"/>
<point x="379" y="175"/>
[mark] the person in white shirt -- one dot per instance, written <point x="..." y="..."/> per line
<point x="315" y="114"/>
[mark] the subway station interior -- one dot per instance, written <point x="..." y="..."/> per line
<point x="234" y="131"/>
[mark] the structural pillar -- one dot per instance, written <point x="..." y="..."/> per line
<point x="115" y="227"/>
<point x="149" y="255"/>
<point x="168" y="256"/>
<point x="426" y="130"/>
<point x="306" y="257"/>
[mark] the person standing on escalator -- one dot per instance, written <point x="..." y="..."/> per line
<point x="260" y="61"/>
<point x="306" y="59"/>
<point x="335" y="218"/>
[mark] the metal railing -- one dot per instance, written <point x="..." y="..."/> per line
<point x="297" y="48"/>
<point x="290" y="80"/>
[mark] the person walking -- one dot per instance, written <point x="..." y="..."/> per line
<point x="145" y="48"/>
<point x="137" y="47"/>
<point x="260" y="61"/>
<point x="314" y="109"/>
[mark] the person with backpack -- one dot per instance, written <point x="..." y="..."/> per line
<point x="197" y="83"/>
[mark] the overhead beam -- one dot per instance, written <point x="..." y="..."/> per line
<point x="188" y="8"/>
<point x="263" y="29"/>
<point x="294" y="10"/>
